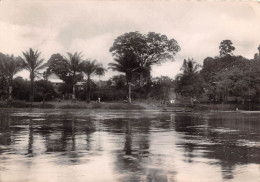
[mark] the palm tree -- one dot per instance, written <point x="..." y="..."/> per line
<point x="75" y="66"/>
<point x="126" y="63"/>
<point x="91" y="68"/>
<point x="100" y="72"/>
<point x="33" y="64"/>
<point x="186" y="81"/>
<point x="190" y="66"/>
<point x="10" y="66"/>
<point x="67" y="69"/>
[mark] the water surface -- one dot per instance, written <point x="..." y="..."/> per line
<point x="83" y="145"/>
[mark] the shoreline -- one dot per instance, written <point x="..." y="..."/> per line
<point x="72" y="105"/>
<point x="135" y="105"/>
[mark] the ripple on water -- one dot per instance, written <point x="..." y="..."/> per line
<point x="224" y="130"/>
<point x="128" y="145"/>
<point x="248" y="143"/>
<point x="28" y="114"/>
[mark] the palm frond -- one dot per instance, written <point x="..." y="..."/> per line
<point x="41" y="66"/>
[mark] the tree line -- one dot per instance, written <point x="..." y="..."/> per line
<point x="134" y="54"/>
<point x="70" y="69"/>
<point x="223" y="78"/>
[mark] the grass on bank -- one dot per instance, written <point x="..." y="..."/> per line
<point x="136" y="105"/>
<point x="72" y="105"/>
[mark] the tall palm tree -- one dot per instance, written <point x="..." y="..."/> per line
<point x="90" y="69"/>
<point x="68" y="69"/>
<point x="126" y="63"/>
<point x="33" y="64"/>
<point x="10" y="66"/>
<point x="100" y="72"/>
<point x="75" y="66"/>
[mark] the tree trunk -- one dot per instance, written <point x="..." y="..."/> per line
<point x="73" y="87"/>
<point x="73" y="93"/>
<point x="32" y="90"/>
<point x="129" y="92"/>
<point x="10" y="98"/>
<point x="99" y="87"/>
<point x="88" y="89"/>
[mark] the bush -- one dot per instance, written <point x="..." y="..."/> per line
<point x="21" y="89"/>
<point x="44" y="91"/>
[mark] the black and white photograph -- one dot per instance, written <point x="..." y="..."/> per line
<point x="129" y="91"/>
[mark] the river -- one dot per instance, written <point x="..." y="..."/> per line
<point x="81" y="145"/>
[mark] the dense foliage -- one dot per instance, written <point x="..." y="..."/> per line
<point x="223" y="78"/>
<point x="32" y="63"/>
<point x="226" y="48"/>
<point x="190" y="83"/>
<point x="147" y="50"/>
<point x="233" y="76"/>
<point x="135" y="53"/>
<point x="91" y="68"/>
<point x="67" y="69"/>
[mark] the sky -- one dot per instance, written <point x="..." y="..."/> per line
<point x="90" y="27"/>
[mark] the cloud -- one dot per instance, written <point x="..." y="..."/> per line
<point x="91" y="27"/>
<point x="95" y="47"/>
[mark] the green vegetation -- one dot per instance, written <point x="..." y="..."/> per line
<point x="190" y="83"/>
<point x="91" y="68"/>
<point x="33" y="64"/>
<point x="224" y="78"/>
<point x="221" y="79"/>
<point x="67" y="69"/>
<point x="9" y="66"/>
<point x="146" y="50"/>
<point x="127" y="64"/>
<point x="135" y="53"/>
<point x="226" y="48"/>
<point x="73" y="105"/>
<point x="232" y="76"/>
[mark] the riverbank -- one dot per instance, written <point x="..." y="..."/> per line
<point x="73" y="105"/>
<point x="136" y="105"/>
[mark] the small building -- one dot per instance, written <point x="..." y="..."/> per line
<point x="56" y="82"/>
<point x="172" y="94"/>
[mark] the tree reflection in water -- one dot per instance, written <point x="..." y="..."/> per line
<point x="134" y="159"/>
<point x="30" y="141"/>
<point x="219" y="137"/>
<point x="139" y="146"/>
<point x="5" y="134"/>
<point x="128" y="139"/>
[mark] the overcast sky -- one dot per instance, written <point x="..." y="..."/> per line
<point x="91" y="27"/>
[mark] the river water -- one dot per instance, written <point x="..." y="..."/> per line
<point x="81" y="145"/>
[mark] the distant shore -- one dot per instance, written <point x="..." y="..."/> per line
<point x="135" y="105"/>
<point x="112" y="105"/>
<point x="67" y="104"/>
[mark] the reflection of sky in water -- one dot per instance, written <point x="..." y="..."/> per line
<point x="73" y="145"/>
